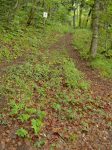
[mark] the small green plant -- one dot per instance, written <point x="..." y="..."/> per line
<point x="71" y="114"/>
<point x="41" y="92"/>
<point x="41" y="72"/>
<point x="30" y="110"/>
<point x="5" y="54"/>
<point x="56" y="106"/>
<point x="41" y="114"/>
<point x="84" y="85"/>
<point x="71" y="74"/>
<point x="24" y="117"/>
<point x="85" y="125"/>
<point x="22" y="132"/>
<point x="63" y="97"/>
<point x="82" y="40"/>
<point x="40" y="144"/>
<point x="36" y="125"/>
<point x="73" y="137"/>
<point x="103" y="65"/>
<point x="16" y="107"/>
<point x="3" y="122"/>
<point x="1" y="115"/>
<point x="53" y="146"/>
<point x="55" y="82"/>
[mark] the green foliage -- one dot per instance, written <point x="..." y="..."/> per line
<point x="43" y="81"/>
<point x="41" y="71"/>
<point x="73" y="137"/>
<point x="31" y="13"/>
<point x="36" y="125"/>
<point x="73" y="76"/>
<point x="54" y="82"/>
<point x="30" y="110"/>
<point x="108" y="53"/>
<point x="22" y="132"/>
<point x="16" y="44"/>
<point x="2" y="121"/>
<point x="84" y="85"/>
<point x="39" y="144"/>
<point x="56" y="106"/>
<point x="24" y="117"/>
<point x="71" y="114"/>
<point x="41" y="114"/>
<point x="103" y="65"/>
<point x="5" y="54"/>
<point x="59" y="27"/>
<point x="41" y="91"/>
<point x="110" y="124"/>
<point x="1" y="116"/>
<point x="16" y="107"/>
<point x="82" y="41"/>
<point x="85" y="125"/>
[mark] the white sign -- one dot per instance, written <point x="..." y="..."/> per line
<point x="45" y="14"/>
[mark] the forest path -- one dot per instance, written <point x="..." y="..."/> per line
<point x="98" y="134"/>
<point x="100" y="87"/>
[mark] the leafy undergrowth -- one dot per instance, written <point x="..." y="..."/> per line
<point x="103" y="65"/>
<point x="21" y="42"/>
<point x="50" y="106"/>
<point x="16" y="44"/>
<point x="82" y="41"/>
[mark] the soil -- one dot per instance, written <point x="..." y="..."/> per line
<point x="98" y="137"/>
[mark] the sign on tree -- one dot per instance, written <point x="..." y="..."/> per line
<point x="45" y="14"/>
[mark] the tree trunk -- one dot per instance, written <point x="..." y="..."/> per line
<point x="74" y="19"/>
<point x="30" y="18"/>
<point x="80" y="16"/>
<point x="95" y="24"/>
<point x="80" y="13"/>
<point x="89" y="14"/>
<point x="74" y="15"/>
<point x="31" y="14"/>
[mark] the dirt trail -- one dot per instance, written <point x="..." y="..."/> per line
<point x="101" y="87"/>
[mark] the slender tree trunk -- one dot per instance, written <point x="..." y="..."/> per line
<point x="89" y="14"/>
<point x="30" y="18"/>
<point x="74" y="15"/>
<point x="74" y="19"/>
<point x="80" y="16"/>
<point x="12" y="13"/>
<point x="95" y="24"/>
<point x="81" y="12"/>
<point x="77" y="14"/>
<point x="31" y="14"/>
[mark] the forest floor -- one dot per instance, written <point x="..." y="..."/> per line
<point x="99" y="85"/>
<point x="89" y="129"/>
